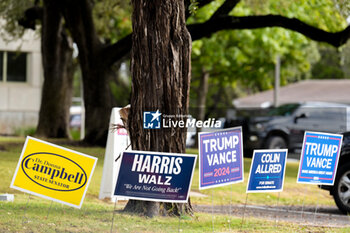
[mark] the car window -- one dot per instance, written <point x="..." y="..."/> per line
<point x="310" y="112"/>
<point x="283" y="110"/>
<point x="330" y="113"/>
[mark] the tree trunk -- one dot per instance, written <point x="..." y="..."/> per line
<point x="96" y="73"/>
<point x="58" y="75"/>
<point x="99" y="102"/>
<point x="160" y="69"/>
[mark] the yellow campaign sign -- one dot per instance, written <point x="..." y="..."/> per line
<point x="53" y="172"/>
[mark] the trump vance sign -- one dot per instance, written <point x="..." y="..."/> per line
<point x="220" y="158"/>
<point x="319" y="158"/>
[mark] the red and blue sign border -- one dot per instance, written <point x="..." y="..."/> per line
<point x="241" y="165"/>
<point x="311" y="179"/>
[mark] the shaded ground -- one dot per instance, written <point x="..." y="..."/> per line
<point x="324" y="216"/>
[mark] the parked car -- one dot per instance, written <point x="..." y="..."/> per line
<point x="341" y="188"/>
<point x="75" y="117"/>
<point x="284" y="127"/>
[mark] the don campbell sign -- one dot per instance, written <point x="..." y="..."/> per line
<point x="53" y="172"/>
<point x="155" y="176"/>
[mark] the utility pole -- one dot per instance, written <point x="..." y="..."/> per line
<point x="277" y="81"/>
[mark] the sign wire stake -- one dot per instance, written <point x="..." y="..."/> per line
<point x="230" y="215"/>
<point x="25" y="211"/>
<point x="245" y="205"/>
<point x="278" y="199"/>
<point x="48" y="212"/>
<point x="115" y="205"/>
<point x="178" y="228"/>
<point x="302" y="207"/>
<point x="212" y="208"/>
<point x="314" y="221"/>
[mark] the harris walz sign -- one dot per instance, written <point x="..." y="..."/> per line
<point x="155" y="176"/>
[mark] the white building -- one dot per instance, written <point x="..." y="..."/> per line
<point x="21" y="79"/>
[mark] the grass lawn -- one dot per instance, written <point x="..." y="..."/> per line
<point x="96" y="215"/>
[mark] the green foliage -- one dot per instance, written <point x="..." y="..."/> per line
<point x="11" y="11"/>
<point x="25" y="131"/>
<point x="324" y="14"/>
<point x="193" y="7"/>
<point x="334" y="63"/>
<point x="112" y="19"/>
<point x="329" y="66"/>
<point x="243" y="61"/>
<point x="343" y="6"/>
<point x="345" y="59"/>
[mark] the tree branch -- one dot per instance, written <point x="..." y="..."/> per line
<point x="202" y="3"/>
<point x="225" y="8"/>
<point x="118" y="50"/>
<point x="209" y="27"/>
<point x="206" y="29"/>
<point x="30" y="16"/>
<point x="187" y="4"/>
<point x="78" y="16"/>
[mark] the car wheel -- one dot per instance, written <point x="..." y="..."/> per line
<point x="276" y="142"/>
<point x="341" y="189"/>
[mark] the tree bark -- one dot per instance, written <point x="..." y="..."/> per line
<point x="58" y="75"/>
<point x="160" y="69"/>
<point x="96" y="72"/>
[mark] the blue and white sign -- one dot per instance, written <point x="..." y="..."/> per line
<point x="267" y="171"/>
<point x="151" y="120"/>
<point x="220" y="158"/>
<point x="319" y="158"/>
<point x="155" y="176"/>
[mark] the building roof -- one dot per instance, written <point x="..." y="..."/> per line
<point x="336" y="90"/>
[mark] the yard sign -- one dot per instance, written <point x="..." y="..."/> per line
<point x="117" y="141"/>
<point x="267" y="171"/>
<point x="220" y="158"/>
<point x="319" y="158"/>
<point x="155" y="176"/>
<point x="53" y="172"/>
